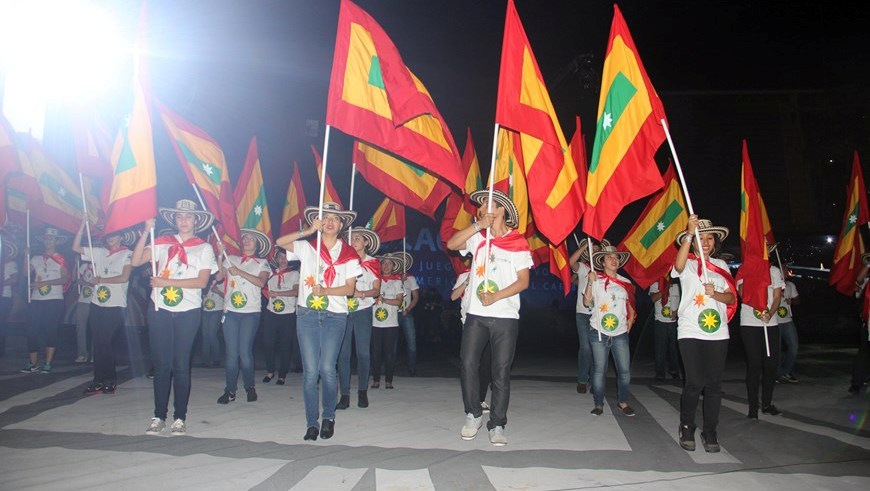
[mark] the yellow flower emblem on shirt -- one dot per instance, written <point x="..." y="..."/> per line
<point x="172" y="295"/>
<point x="709" y="320"/>
<point x="87" y="291"/>
<point x="381" y="314"/>
<point x="209" y="304"/>
<point x="43" y="290"/>
<point x="782" y="311"/>
<point x="666" y="311"/>
<point x="238" y="299"/>
<point x="103" y="294"/>
<point x="609" y="322"/>
<point x="278" y="305"/>
<point x="352" y="304"/>
<point x="317" y="302"/>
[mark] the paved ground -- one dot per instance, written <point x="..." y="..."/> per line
<point x="52" y="437"/>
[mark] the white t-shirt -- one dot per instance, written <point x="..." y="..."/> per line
<point x="409" y="285"/>
<point x="282" y="304"/>
<point x="784" y="311"/>
<point x="213" y="301"/>
<point x="610" y="307"/>
<point x="663" y="312"/>
<point x="10" y="269"/>
<point x="503" y="266"/>
<point x="582" y="282"/>
<point x="384" y="314"/>
<point x="751" y="317"/>
<point x="86" y="273"/>
<point x="699" y="316"/>
<point x="243" y="296"/>
<point x="364" y="282"/>
<point x="107" y="266"/>
<point x="462" y="280"/>
<point x="309" y="276"/>
<point x="46" y="269"/>
<point x="172" y="298"/>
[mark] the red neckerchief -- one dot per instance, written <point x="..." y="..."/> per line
<point x="245" y="257"/>
<point x="629" y="288"/>
<point x="177" y="248"/>
<point x="665" y="289"/>
<point x="388" y="277"/>
<point x="511" y="241"/>
<point x="725" y="274"/>
<point x="280" y="274"/>
<point x="372" y="265"/>
<point x="346" y="255"/>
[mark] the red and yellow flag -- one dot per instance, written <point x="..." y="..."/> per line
<point x="459" y="211"/>
<point x="206" y="167"/>
<point x="755" y="270"/>
<point x="559" y="266"/>
<point x="538" y="245"/>
<point x="400" y="179"/>
<point x="850" y="245"/>
<point x="628" y="133"/>
<point x="508" y="175"/>
<point x="577" y="147"/>
<point x="252" y="209"/>
<point x="9" y="164"/>
<point x="373" y="96"/>
<point x="388" y="221"/>
<point x="294" y="205"/>
<point x="524" y="107"/>
<point x="329" y="194"/>
<point x="651" y="240"/>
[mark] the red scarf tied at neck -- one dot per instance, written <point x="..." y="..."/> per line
<point x="511" y="241"/>
<point x="346" y="255"/>
<point x="177" y="248"/>
<point x="726" y="275"/>
<point x="374" y="266"/>
<point x="629" y="288"/>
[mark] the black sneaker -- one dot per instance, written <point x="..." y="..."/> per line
<point x="597" y="411"/>
<point x="363" y="399"/>
<point x="93" y="389"/>
<point x="327" y="428"/>
<point x="312" y="433"/>
<point x="268" y="378"/>
<point x="108" y="388"/>
<point x="708" y="439"/>
<point x="226" y="398"/>
<point x="581" y="388"/>
<point x="791" y="378"/>
<point x="252" y="394"/>
<point x="771" y="410"/>
<point x="343" y="403"/>
<point x="280" y="381"/>
<point x="686" y="435"/>
<point x="753" y="413"/>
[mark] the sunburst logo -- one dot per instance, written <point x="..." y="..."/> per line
<point x="604" y="308"/>
<point x="278" y="305"/>
<point x="479" y="271"/>
<point x="87" y="291"/>
<point x="700" y="299"/>
<point x="609" y="322"/>
<point x="757" y="313"/>
<point x="352" y="304"/>
<point x="43" y="290"/>
<point x="309" y="281"/>
<point x="782" y="311"/>
<point x="317" y="302"/>
<point x="489" y="285"/>
<point x="103" y="294"/>
<point x="381" y="314"/>
<point x="666" y="311"/>
<point x="209" y="304"/>
<point x="172" y="295"/>
<point x="239" y="299"/>
<point x="709" y="320"/>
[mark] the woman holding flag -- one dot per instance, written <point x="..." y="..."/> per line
<point x="45" y="311"/>
<point x="707" y="304"/>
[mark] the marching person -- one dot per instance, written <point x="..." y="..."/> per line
<point x="665" y="295"/>
<point x="112" y="268"/>
<point x="406" y="315"/>
<point x="321" y="312"/>
<point x="494" y="308"/>
<point x="245" y="276"/>
<point x="579" y="264"/>
<point x="358" y="332"/>
<point x="46" y="307"/>
<point x="611" y="297"/>
<point x="788" y="331"/>
<point x="279" y="323"/>
<point x="184" y="263"/>
<point x="706" y="307"/>
<point x="459" y="292"/>
<point x="385" y="321"/>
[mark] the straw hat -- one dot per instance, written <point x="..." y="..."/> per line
<point x="128" y="236"/>
<point x="263" y="242"/>
<point x="347" y="217"/>
<point x="10" y="248"/>
<point x="598" y="257"/>
<point x="392" y="260"/>
<point x="51" y="232"/>
<point x="584" y="247"/>
<point x="374" y="240"/>
<point x="704" y="227"/>
<point x="511" y="215"/>
<point x="203" y="219"/>
<point x="403" y="258"/>
<point x="273" y="261"/>
<point x="771" y="248"/>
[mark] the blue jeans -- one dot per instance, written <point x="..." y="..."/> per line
<point x="789" y="337"/>
<point x="239" y="332"/>
<point x="666" y="348"/>
<point x="358" y="329"/>
<point x="618" y="346"/>
<point x="584" y="352"/>
<point x="171" y="335"/>
<point x="406" y="322"/>
<point x="320" y="335"/>
<point x="211" y="344"/>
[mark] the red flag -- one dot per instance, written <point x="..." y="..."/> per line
<point x="850" y="245"/>
<point x="755" y="270"/>
<point x="329" y="194"/>
<point x="559" y="266"/>
<point x="524" y="106"/>
<point x="294" y="205"/>
<point x="9" y="164"/>
<point x="252" y="209"/>
<point x="577" y="147"/>
<point x="459" y="210"/>
<point x="388" y="221"/>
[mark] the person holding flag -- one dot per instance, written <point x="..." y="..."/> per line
<point x="500" y="271"/>
<point x="579" y="262"/>
<point x="611" y="298"/>
<point x="245" y="276"/>
<point x="358" y="331"/>
<point x="279" y="323"/>
<point x="321" y="313"/>
<point x="707" y="304"/>
<point x="181" y="265"/>
<point x="46" y="299"/>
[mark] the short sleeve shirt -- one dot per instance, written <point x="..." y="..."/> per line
<point x="46" y="269"/>
<point x="503" y="266"/>
<point x="582" y="282"/>
<point x="663" y="312"/>
<point x="784" y="311"/>
<point x="609" y="307"/>
<point x="384" y="314"/>
<point x="309" y="276"/>
<point x="243" y="296"/>
<point x="107" y="266"/>
<point x="461" y="280"/>
<point x="172" y="298"/>
<point x="699" y="316"/>
<point x="409" y="285"/>
<point x="86" y="273"/>
<point x="10" y="269"/>
<point x="213" y="301"/>
<point x="364" y="282"/>
<point x="282" y="305"/>
<point x="751" y="317"/>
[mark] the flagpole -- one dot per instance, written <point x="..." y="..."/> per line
<point x="489" y="207"/>
<point x="87" y="224"/>
<point x="592" y="269"/>
<point x="322" y="190"/>
<point x="576" y="240"/>
<point x="686" y="194"/>
<point x="27" y="238"/>
<point x="213" y="228"/>
<point x="153" y="267"/>
<point x="350" y="206"/>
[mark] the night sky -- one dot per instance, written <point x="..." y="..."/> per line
<point x="790" y="77"/>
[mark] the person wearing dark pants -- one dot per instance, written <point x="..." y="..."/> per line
<point x="46" y="300"/>
<point x="385" y="322"/>
<point x="788" y="333"/>
<point x="406" y="310"/>
<point x="279" y="319"/>
<point x="10" y="279"/>
<point x="579" y="263"/>
<point x="665" y="295"/>
<point x="500" y="271"/>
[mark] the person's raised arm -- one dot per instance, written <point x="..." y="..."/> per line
<point x="286" y="241"/>
<point x="140" y="255"/>
<point x="683" y="252"/>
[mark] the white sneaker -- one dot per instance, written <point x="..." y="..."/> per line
<point x="469" y="429"/>
<point x="484" y="406"/>
<point x="155" y="427"/>
<point x="82" y="359"/>
<point x="497" y="437"/>
<point x="178" y="427"/>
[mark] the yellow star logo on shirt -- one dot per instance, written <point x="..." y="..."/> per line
<point x="172" y="295"/>
<point x="87" y="291"/>
<point x="103" y="294"/>
<point x="209" y="304"/>
<point x="782" y="311"/>
<point x="609" y="322"/>
<point x="381" y="314"/>
<point x="43" y="290"/>
<point x="317" y="302"/>
<point x="239" y="299"/>
<point x="709" y="320"/>
<point x="352" y="304"/>
<point x="666" y="312"/>
<point x="700" y="299"/>
<point x="278" y="305"/>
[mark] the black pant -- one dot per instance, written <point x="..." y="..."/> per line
<point x="758" y="364"/>
<point x="485" y="371"/>
<point x="279" y="338"/>
<point x="383" y="342"/>
<point x="502" y="335"/>
<point x="45" y="317"/>
<point x="104" y="323"/>
<point x="5" y="310"/>
<point x="862" y="359"/>
<point x="704" y="362"/>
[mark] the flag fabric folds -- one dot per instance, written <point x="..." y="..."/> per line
<point x="252" y="210"/>
<point x="459" y="211"/>
<point x="204" y="164"/>
<point x="524" y="106"/>
<point x="651" y="240"/>
<point x="850" y="245"/>
<point x="93" y="150"/>
<point x="9" y="164"/>
<point x="330" y="194"/>
<point x="388" y="221"/>
<point x="559" y="266"/>
<point x="400" y="179"/>
<point x="628" y="133"/>
<point x="755" y="270"/>
<point x="373" y="96"/>
<point x="508" y="176"/>
<point x="294" y="205"/>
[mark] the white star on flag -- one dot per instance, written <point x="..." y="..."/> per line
<point x="608" y="121"/>
<point x="258" y="210"/>
<point x="853" y="218"/>
<point x="207" y="169"/>
<point x="660" y="226"/>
